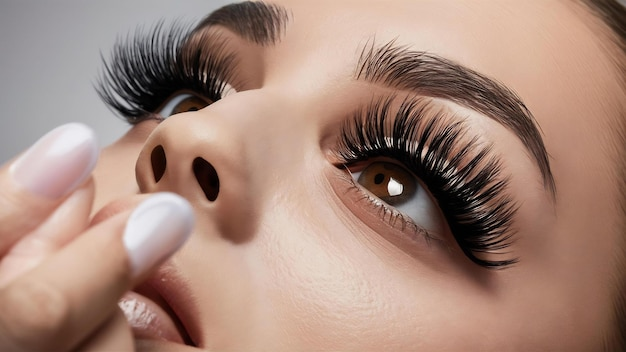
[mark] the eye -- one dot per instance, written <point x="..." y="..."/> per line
<point x="399" y="188"/>
<point x="183" y="102"/>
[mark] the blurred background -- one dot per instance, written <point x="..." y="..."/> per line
<point x="50" y="58"/>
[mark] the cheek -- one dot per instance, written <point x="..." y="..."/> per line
<point x="114" y="174"/>
<point x="320" y="285"/>
<point x="308" y="278"/>
<point x="339" y="287"/>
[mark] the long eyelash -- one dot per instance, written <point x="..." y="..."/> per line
<point x="147" y="68"/>
<point x="458" y="171"/>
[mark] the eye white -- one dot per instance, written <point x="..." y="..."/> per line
<point x="421" y="208"/>
<point x="167" y="110"/>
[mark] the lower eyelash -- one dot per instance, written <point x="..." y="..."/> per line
<point x="388" y="214"/>
<point x="149" y="67"/>
<point x="460" y="174"/>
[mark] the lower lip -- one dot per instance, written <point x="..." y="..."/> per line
<point x="148" y="320"/>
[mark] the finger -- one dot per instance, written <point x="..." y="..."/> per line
<point x="114" y="335"/>
<point x="69" y="220"/>
<point x="34" y="184"/>
<point x="66" y="298"/>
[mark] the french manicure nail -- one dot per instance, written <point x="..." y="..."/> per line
<point x="156" y="229"/>
<point x="58" y="162"/>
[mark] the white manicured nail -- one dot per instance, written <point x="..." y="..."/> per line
<point x="156" y="229"/>
<point x="58" y="162"/>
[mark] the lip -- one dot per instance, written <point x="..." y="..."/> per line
<point x="148" y="320"/>
<point x="171" y="292"/>
<point x="160" y="308"/>
<point x="116" y="207"/>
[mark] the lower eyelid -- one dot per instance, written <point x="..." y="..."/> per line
<point x="385" y="221"/>
<point x="431" y="223"/>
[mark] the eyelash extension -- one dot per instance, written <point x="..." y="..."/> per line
<point x="457" y="170"/>
<point x="147" y="68"/>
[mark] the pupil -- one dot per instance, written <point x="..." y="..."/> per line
<point x="379" y="178"/>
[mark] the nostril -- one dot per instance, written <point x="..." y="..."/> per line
<point x="207" y="178"/>
<point x="159" y="162"/>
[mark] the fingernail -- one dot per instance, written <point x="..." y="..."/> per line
<point x="58" y="162"/>
<point x="156" y="229"/>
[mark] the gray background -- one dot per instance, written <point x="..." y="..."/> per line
<point x="50" y="56"/>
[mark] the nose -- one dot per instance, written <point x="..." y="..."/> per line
<point x="203" y="171"/>
<point x="202" y="158"/>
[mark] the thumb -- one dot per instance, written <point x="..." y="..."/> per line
<point x="66" y="299"/>
<point x="114" y="335"/>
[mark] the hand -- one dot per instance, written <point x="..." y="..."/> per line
<point x="60" y="279"/>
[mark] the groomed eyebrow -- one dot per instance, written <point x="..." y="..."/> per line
<point x="401" y="68"/>
<point x="431" y="75"/>
<point x="257" y="22"/>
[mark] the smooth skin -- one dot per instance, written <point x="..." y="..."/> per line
<point x="287" y="258"/>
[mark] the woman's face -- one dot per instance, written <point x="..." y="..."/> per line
<point x="372" y="166"/>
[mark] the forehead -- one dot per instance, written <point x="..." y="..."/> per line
<point x="513" y="41"/>
<point x="549" y="52"/>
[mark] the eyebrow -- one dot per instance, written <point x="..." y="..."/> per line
<point x="431" y="75"/>
<point x="399" y="67"/>
<point x="257" y="22"/>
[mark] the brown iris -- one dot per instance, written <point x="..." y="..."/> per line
<point x="390" y="182"/>
<point x="191" y="103"/>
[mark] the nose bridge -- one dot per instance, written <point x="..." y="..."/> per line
<point x="229" y="134"/>
<point x="228" y="158"/>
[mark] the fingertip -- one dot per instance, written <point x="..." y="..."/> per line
<point x="156" y="229"/>
<point x="58" y="162"/>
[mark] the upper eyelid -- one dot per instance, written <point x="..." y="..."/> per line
<point x="257" y="22"/>
<point x="210" y="53"/>
<point x="466" y="170"/>
<point x="134" y="78"/>
<point x="428" y="74"/>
